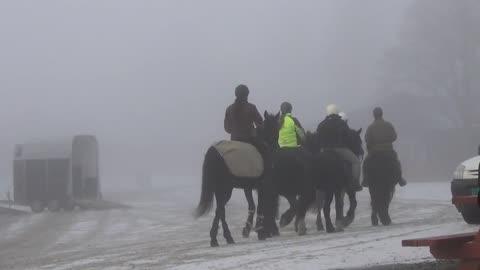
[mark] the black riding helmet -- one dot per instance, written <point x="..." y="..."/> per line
<point x="242" y="91"/>
<point x="286" y="107"/>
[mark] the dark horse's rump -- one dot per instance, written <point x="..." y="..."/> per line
<point x="330" y="171"/>
<point x="380" y="170"/>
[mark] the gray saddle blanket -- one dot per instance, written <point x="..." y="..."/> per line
<point x="242" y="159"/>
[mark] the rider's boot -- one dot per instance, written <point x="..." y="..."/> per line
<point x="365" y="181"/>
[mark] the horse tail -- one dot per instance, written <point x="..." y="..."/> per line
<point x="208" y="183"/>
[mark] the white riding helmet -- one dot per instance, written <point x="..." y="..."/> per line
<point x="332" y="109"/>
<point x="344" y="116"/>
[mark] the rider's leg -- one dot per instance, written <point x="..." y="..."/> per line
<point x="365" y="170"/>
<point x="398" y="166"/>
<point x="349" y="156"/>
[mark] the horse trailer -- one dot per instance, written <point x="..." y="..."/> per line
<point x="56" y="174"/>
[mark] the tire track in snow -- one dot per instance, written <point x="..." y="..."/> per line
<point x="36" y="239"/>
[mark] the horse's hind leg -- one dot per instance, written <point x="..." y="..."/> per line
<point x="304" y="202"/>
<point x="251" y="212"/>
<point x="383" y="209"/>
<point x="222" y="198"/>
<point x="339" y="205"/>
<point x="326" y="212"/>
<point x="320" y="202"/>
<point x="288" y="216"/>
<point x="374" y="204"/>
<point x="226" y="231"/>
<point x="352" y="197"/>
<point x="214" y="231"/>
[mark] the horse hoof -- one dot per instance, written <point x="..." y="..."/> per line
<point x="387" y="223"/>
<point x="348" y="221"/>
<point x="302" y="229"/>
<point x="261" y="236"/>
<point x="374" y="222"/>
<point x="330" y="229"/>
<point x="230" y="241"/>
<point x="339" y="230"/>
<point x="246" y="232"/>
<point x="320" y="228"/>
<point x="340" y="223"/>
<point x="214" y="243"/>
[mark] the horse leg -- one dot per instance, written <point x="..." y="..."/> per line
<point x="374" y="204"/>
<point x="326" y="212"/>
<point x="383" y="208"/>
<point x="288" y="216"/>
<point x="251" y="212"/>
<point x="221" y="213"/>
<point x="260" y="228"/>
<point x="339" y="204"/>
<point x="214" y="231"/>
<point x="273" y="228"/>
<point x="352" y="197"/>
<point x="300" y="226"/>
<point x="320" y="202"/>
<point x="305" y="200"/>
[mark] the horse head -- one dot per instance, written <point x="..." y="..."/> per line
<point x="270" y="129"/>
<point x="356" y="142"/>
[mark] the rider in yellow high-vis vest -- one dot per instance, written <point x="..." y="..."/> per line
<point x="291" y="133"/>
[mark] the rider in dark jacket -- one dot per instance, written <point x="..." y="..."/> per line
<point x="380" y="137"/>
<point x="333" y="134"/>
<point x="242" y="117"/>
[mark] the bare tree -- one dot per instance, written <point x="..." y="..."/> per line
<point x="439" y="55"/>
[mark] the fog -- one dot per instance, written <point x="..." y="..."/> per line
<point x="152" y="79"/>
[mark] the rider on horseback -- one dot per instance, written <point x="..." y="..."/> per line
<point x="291" y="136"/>
<point x="333" y="134"/>
<point x="379" y="137"/>
<point x="291" y="132"/>
<point x="242" y="117"/>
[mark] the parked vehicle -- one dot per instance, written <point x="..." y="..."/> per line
<point x="466" y="183"/>
<point x="57" y="174"/>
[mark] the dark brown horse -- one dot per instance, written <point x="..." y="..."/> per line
<point x="218" y="182"/>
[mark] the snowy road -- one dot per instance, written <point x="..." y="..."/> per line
<point x="159" y="233"/>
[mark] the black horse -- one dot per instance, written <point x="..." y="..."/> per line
<point x="297" y="175"/>
<point x="381" y="172"/>
<point x="355" y="144"/>
<point x="218" y="182"/>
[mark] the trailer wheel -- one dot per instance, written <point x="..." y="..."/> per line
<point x="54" y="206"/>
<point x="37" y="206"/>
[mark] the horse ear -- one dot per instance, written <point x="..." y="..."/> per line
<point x="265" y="114"/>
<point x="277" y="116"/>
<point x="360" y="131"/>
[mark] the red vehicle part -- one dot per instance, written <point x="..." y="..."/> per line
<point x="465" y="247"/>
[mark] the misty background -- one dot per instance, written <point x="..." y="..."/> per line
<point x="152" y="79"/>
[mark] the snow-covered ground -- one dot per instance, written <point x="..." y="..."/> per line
<point x="160" y="233"/>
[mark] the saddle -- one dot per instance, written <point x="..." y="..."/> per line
<point x="243" y="160"/>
